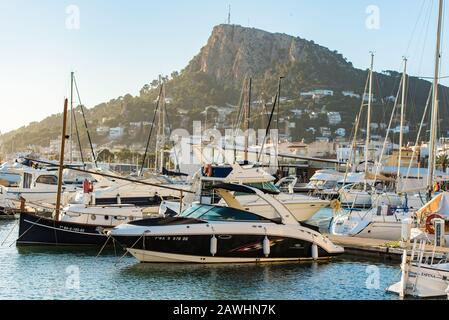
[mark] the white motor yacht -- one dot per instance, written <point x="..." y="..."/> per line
<point x="302" y="207"/>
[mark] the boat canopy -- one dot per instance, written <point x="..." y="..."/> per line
<point x="327" y="175"/>
<point x="438" y="205"/>
<point x="248" y="175"/>
<point x="361" y="177"/>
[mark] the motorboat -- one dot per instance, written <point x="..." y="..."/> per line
<point x="212" y="233"/>
<point x="356" y="195"/>
<point x="302" y="207"/>
<point x="80" y="224"/>
<point x="360" y="190"/>
<point x="35" y="186"/>
<point x="76" y="225"/>
<point x="131" y="193"/>
<point x="324" y="183"/>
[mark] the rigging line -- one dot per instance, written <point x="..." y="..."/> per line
<point x="354" y="143"/>
<point x="170" y="130"/>
<point x="78" y="136"/>
<point x="355" y="130"/>
<point x="151" y="130"/>
<point x="424" y="37"/>
<point x="268" y="127"/>
<point x="238" y="119"/>
<point x="85" y="123"/>
<point x="419" y="131"/>
<point x="240" y="105"/>
<point x="389" y="128"/>
<point x="414" y="28"/>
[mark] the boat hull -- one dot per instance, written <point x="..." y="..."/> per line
<point x="234" y="248"/>
<point x="144" y="256"/>
<point x="35" y="230"/>
<point x="423" y="282"/>
<point x="357" y="225"/>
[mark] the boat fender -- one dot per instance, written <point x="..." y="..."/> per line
<point x="213" y="245"/>
<point x="266" y="246"/>
<point x="315" y="252"/>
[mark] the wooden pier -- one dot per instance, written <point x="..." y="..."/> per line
<point x="383" y="249"/>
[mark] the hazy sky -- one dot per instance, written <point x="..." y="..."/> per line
<point x="121" y="45"/>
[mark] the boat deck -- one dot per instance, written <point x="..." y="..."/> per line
<point x="377" y="248"/>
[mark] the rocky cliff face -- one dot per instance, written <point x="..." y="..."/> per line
<point x="233" y="51"/>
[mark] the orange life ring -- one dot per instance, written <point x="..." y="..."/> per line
<point x="430" y="229"/>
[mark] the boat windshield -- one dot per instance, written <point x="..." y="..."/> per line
<point x="216" y="213"/>
<point x="267" y="186"/>
<point x="10" y="180"/>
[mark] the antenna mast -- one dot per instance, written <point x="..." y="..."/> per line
<point x="229" y="15"/>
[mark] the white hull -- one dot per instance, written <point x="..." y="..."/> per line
<point x="368" y="225"/>
<point x="158" y="257"/>
<point x="423" y="282"/>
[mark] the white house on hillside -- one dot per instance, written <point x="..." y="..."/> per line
<point x="116" y="133"/>
<point x="102" y="131"/>
<point x="350" y="94"/>
<point x="334" y="118"/>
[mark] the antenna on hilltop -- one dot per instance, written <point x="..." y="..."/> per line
<point x="229" y="15"/>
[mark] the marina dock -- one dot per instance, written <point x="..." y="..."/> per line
<point x="383" y="249"/>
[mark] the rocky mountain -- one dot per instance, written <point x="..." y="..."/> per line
<point x="233" y="52"/>
<point x="215" y="77"/>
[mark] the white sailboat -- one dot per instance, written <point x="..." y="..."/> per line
<point x="423" y="274"/>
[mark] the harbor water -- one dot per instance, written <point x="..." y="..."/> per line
<point x="49" y="273"/>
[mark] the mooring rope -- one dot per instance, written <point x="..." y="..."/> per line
<point x="10" y="232"/>
<point x="127" y="250"/>
<point x="104" y="246"/>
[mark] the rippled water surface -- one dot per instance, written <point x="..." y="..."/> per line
<point x="45" y="273"/>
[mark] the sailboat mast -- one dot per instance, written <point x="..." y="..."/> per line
<point x="368" y="118"/>
<point x="247" y="121"/>
<point x="71" y="117"/>
<point x="61" y="160"/>
<point x="162" y="117"/>
<point x="401" y="133"/>
<point x="435" y="103"/>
